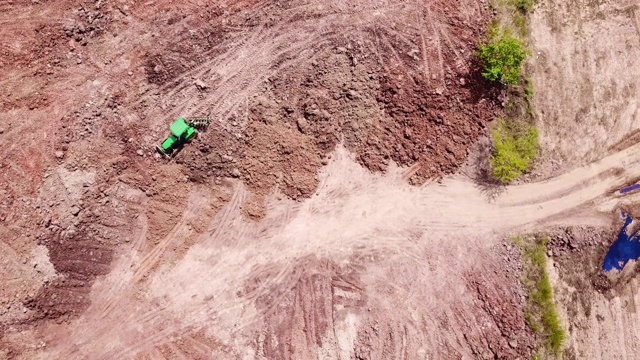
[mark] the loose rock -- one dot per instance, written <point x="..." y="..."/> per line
<point x="201" y="85"/>
<point x="303" y="125"/>
<point x="75" y="210"/>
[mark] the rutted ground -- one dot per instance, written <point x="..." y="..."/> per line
<point x="100" y="82"/>
<point x="153" y="259"/>
<point x="105" y="79"/>
<point x="345" y="246"/>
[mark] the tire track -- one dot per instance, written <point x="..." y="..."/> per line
<point x="452" y="46"/>
<point x="194" y="203"/>
<point x="156" y="339"/>
<point x="115" y="302"/>
<point x="437" y="44"/>
<point x="423" y="44"/>
<point x="190" y="343"/>
<point x="241" y="241"/>
<point x="292" y="278"/>
<point x="232" y="90"/>
<point x="114" y="294"/>
<point x="155" y="316"/>
<point x="386" y="41"/>
<point x="221" y="222"/>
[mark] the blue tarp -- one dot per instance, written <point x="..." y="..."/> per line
<point x="629" y="189"/>
<point x="625" y="248"/>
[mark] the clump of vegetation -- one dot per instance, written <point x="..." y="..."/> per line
<point x="528" y="96"/>
<point x="541" y="313"/>
<point x="524" y="5"/>
<point x="528" y="89"/>
<point x="502" y="56"/>
<point x="515" y="147"/>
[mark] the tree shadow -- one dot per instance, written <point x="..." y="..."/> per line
<point x="483" y="89"/>
<point x="494" y="93"/>
<point x="480" y="172"/>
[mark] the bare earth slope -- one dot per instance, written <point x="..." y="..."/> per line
<point x="90" y="87"/>
<point x="599" y="311"/>
<point x="361" y="237"/>
<point x="587" y="88"/>
<point x="112" y="253"/>
<point x="587" y="78"/>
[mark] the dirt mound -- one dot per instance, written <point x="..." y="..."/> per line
<point x="580" y="252"/>
<point x="346" y="94"/>
<point x="79" y="260"/>
<point x="432" y="127"/>
<point x="597" y="308"/>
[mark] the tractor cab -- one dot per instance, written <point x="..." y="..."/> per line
<point x="181" y="130"/>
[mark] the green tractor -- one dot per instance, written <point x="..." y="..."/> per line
<point x="182" y="131"/>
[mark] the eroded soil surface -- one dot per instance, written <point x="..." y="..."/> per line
<point x="90" y="87"/>
<point x="587" y="82"/>
<point x="275" y="233"/>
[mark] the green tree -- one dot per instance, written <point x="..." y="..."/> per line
<point x="503" y="56"/>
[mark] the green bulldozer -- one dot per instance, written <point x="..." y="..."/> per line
<point x="182" y="131"/>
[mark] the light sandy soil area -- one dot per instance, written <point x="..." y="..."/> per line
<point x="363" y="242"/>
<point x="587" y="78"/>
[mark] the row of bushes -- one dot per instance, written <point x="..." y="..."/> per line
<point x="541" y="312"/>
<point x="502" y="55"/>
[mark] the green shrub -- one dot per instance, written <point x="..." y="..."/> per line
<point x="541" y="305"/>
<point x="502" y="56"/>
<point x="524" y="5"/>
<point x="515" y="147"/>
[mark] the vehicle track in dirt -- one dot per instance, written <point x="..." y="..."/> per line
<point x="251" y="58"/>
<point x="367" y="266"/>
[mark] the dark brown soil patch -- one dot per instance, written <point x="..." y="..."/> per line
<point x="376" y="98"/>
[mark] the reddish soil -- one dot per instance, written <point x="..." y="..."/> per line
<point x="381" y="107"/>
<point x="430" y="127"/>
<point x="322" y="293"/>
<point x="94" y="85"/>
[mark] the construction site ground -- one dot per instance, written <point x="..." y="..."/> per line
<point x="333" y="208"/>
